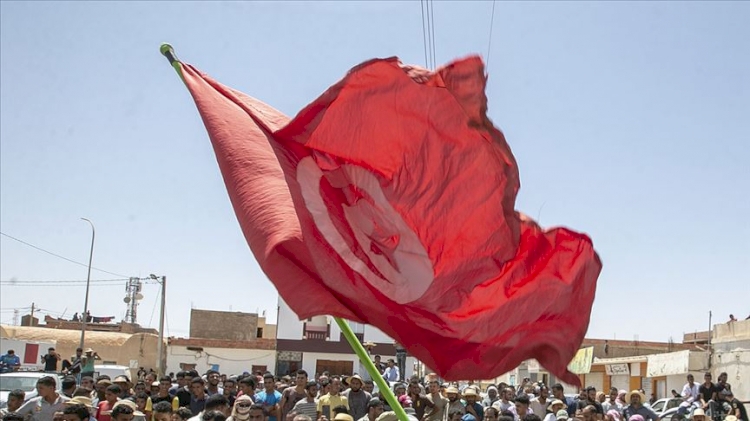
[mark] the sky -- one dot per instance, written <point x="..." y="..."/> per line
<point x="629" y="121"/>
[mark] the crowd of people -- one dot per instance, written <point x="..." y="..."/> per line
<point x="189" y="396"/>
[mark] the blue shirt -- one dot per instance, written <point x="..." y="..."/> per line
<point x="11" y="360"/>
<point x="262" y="398"/>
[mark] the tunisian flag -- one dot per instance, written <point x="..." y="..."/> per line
<point x="389" y="200"/>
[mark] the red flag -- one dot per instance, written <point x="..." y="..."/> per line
<point x="389" y="200"/>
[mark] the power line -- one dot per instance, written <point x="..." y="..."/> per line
<point x="428" y="32"/>
<point x="424" y="35"/>
<point x="74" y="281"/>
<point x="489" y="42"/>
<point x="432" y="19"/>
<point x="61" y="257"/>
<point x="102" y="283"/>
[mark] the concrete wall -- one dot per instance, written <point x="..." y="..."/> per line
<point x="731" y="332"/>
<point x="731" y="346"/>
<point x="288" y="325"/>
<point x="230" y="361"/>
<point x="736" y="364"/>
<point x="223" y="325"/>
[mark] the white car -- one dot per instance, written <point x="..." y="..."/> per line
<point x="112" y="371"/>
<point x="666" y="407"/>
<point x="25" y="381"/>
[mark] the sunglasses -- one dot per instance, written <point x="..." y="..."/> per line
<point x="244" y="405"/>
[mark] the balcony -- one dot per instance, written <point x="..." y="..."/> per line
<point x="316" y="333"/>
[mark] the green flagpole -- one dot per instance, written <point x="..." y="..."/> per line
<point x="168" y="52"/>
<point x="370" y="367"/>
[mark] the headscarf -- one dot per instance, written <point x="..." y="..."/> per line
<point x="238" y="413"/>
<point x="621" y="397"/>
<point x="615" y="414"/>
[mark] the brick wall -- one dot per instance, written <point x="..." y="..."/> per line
<point x="233" y="326"/>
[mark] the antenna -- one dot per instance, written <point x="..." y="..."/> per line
<point x="132" y="299"/>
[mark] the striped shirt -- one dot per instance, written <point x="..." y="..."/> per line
<point x="304" y="407"/>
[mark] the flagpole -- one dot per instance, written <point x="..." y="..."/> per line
<point x="370" y="367"/>
<point x="168" y="52"/>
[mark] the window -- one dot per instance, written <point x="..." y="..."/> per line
<point x="259" y="333"/>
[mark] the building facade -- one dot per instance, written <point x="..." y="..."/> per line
<point x="730" y="345"/>
<point x="317" y="345"/>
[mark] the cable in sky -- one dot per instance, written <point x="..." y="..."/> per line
<point x="489" y="41"/>
<point x="424" y="36"/>
<point x="61" y="257"/>
<point x="432" y="21"/>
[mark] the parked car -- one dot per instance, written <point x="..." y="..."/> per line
<point x="666" y="408"/>
<point x="23" y="380"/>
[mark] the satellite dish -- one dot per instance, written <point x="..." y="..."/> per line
<point x="139" y="296"/>
<point x="126" y="299"/>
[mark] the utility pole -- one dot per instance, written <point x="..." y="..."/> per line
<point x="710" y="334"/>
<point x="31" y="318"/>
<point x="160" y="369"/>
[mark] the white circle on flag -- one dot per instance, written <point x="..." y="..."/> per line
<point x="406" y="268"/>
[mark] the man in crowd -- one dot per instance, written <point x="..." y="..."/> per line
<point x="197" y="395"/>
<point x="68" y="386"/>
<point x="734" y="406"/>
<point x="690" y="395"/>
<point x="309" y="404"/>
<point x="540" y="403"/>
<point x="292" y="395"/>
<point x="212" y="386"/>
<point x="472" y="406"/>
<point x="492" y="397"/>
<point x="522" y="407"/>
<point x="162" y="395"/>
<point x="11" y="360"/>
<point x="635" y="407"/>
<point x="50" y="360"/>
<point x="332" y="399"/>
<point x="48" y="401"/>
<point x="504" y="403"/>
<point x="590" y="399"/>
<point x="357" y="397"/>
<point x="214" y="403"/>
<point x="374" y="409"/>
<point x="77" y="412"/>
<point x="558" y="392"/>
<point x="123" y="413"/>
<point x="87" y="362"/>
<point x="269" y="398"/>
<point x="15" y="400"/>
<point x="162" y="411"/>
<point x="391" y="373"/>
<point x="454" y="404"/>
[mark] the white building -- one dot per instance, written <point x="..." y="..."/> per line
<point x="731" y="354"/>
<point x="317" y="345"/>
<point x="225" y="356"/>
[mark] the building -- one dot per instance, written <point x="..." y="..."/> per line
<point x="611" y="363"/>
<point x="128" y="349"/>
<point x="317" y="345"/>
<point x="730" y="346"/>
<point x="229" y="342"/>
